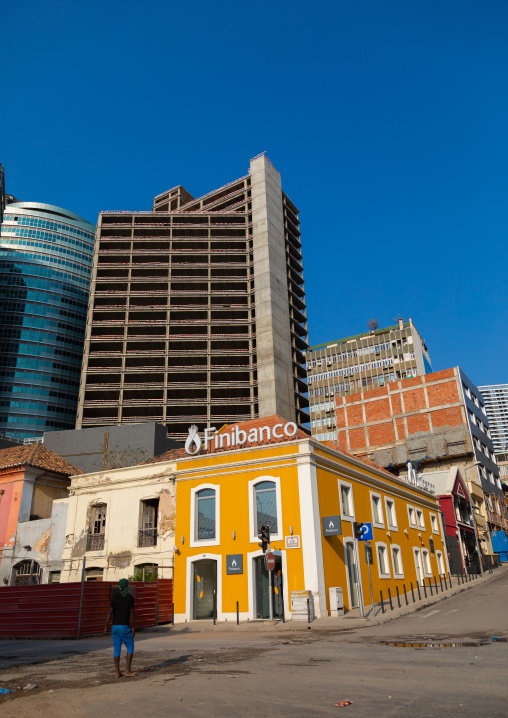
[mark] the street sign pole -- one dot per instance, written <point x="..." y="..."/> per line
<point x="359" y="579"/>
<point x="368" y="546"/>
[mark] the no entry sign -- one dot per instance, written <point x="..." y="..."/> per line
<point x="269" y="561"/>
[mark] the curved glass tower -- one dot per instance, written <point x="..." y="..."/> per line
<point x="45" y="265"/>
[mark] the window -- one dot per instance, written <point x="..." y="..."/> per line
<point x="205" y="515"/>
<point x="440" y="563"/>
<point x="391" y="516"/>
<point x="377" y="510"/>
<point x="346" y="501"/>
<point x="382" y="561"/>
<point x="434" y="524"/>
<point x="148" y="530"/>
<point x="27" y="572"/>
<point x="97" y="528"/>
<point x="54" y="577"/>
<point x="205" y="512"/>
<point x="426" y="562"/>
<point x="266" y="506"/>
<point x="398" y="570"/>
<point x="412" y="517"/>
<point x="419" y="519"/>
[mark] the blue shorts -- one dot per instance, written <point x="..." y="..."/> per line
<point x="122" y="634"/>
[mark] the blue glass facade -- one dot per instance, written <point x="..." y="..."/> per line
<point x="46" y="257"/>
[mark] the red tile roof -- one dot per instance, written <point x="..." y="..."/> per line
<point x="36" y="455"/>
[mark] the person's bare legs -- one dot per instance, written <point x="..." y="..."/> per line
<point x="117" y="666"/>
<point x="128" y="671"/>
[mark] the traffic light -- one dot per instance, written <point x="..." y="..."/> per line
<point x="264" y="535"/>
<point x="358" y="529"/>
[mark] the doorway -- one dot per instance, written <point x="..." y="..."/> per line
<point x="268" y="589"/>
<point x="418" y="565"/>
<point x="204" y="588"/>
<point x="352" y="574"/>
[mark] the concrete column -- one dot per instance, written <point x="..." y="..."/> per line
<point x="312" y="549"/>
<point x="273" y="337"/>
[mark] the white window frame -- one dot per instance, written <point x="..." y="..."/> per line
<point x="395" y="526"/>
<point x="381" y="544"/>
<point x="440" y="563"/>
<point x="377" y="524"/>
<point x="426" y="555"/>
<point x="193" y="541"/>
<point x="420" y="515"/>
<point x="254" y="538"/>
<point x="344" y="516"/>
<point x="397" y="574"/>
<point x="412" y="524"/>
<point x="434" y="523"/>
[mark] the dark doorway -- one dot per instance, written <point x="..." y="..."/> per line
<point x="204" y="588"/>
<point x="268" y="589"/>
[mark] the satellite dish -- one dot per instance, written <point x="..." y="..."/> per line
<point x="373" y="324"/>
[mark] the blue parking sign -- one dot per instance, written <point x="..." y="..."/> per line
<point x="366" y="532"/>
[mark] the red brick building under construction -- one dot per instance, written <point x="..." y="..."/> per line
<point x="438" y="421"/>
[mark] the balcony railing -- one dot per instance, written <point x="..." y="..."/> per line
<point x="147" y="537"/>
<point x="95" y="542"/>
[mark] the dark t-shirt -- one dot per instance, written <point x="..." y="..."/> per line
<point x="122" y="606"/>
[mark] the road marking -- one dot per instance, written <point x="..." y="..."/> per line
<point x="454" y="611"/>
<point x="432" y="613"/>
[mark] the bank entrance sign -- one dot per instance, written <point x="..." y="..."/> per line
<point x="235" y="437"/>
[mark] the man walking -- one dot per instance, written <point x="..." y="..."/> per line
<point x="121" y="609"/>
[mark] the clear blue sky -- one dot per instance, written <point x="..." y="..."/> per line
<point x="388" y="121"/>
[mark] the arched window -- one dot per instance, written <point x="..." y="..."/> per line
<point x="205" y="514"/>
<point x="266" y="505"/>
<point x="27" y="572"/>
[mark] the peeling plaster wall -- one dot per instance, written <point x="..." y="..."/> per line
<point x="34" y="534"/>
<point x="122" y="491"/>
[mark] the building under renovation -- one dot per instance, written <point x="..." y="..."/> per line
<point x="197" y="310"/>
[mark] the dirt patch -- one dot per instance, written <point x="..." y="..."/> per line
<point x="88" y="670"/>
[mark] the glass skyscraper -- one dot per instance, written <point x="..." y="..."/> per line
<point x="45" y="266"/>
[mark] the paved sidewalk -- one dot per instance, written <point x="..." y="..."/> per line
<point x="348" y="622"/>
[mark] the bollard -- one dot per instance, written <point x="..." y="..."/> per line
<point x="430" y="586"/>
<point x="424" y="588"/>
<point x="412" y="592"/>
<point x="157" y="615"/>
<point x="398" y="597"/>
<point x="445" y="582"/>
<point x="308" y="610"/>
<point x="419" y="594"/>
<point x="405" y="594"/>
<point x="450" y="579"/>
<point x="172" y="614"/>
<point x="390" y="599"/>
<point x="382" y="602"/>
<point x="237" y="614"/>
<point x="435" y="585"/>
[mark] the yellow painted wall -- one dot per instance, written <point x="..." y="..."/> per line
<point x="234" y="516"/>
<point x="333" y="550"/>
<point x="233" y="471"/>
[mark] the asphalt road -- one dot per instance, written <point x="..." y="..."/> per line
<point x="294" y="674"/>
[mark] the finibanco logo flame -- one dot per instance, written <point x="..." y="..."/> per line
<point x="193" y="438"/>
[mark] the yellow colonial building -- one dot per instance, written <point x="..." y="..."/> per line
<point x="310" y="494"/>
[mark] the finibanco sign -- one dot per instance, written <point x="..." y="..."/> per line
<point x="236" y="437"/>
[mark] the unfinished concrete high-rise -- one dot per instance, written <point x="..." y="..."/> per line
<point x="197" y="310"/>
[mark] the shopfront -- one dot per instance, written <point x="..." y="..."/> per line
<point x="286" y="480"/>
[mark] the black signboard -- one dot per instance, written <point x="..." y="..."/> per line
<point x="332" y="526"/>
<point x="234" y="563"/>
